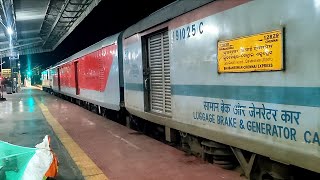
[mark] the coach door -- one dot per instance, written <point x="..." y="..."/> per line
<point x="159" y="75"/>
<point x="76" y="77"/>
<point x="59" y="86"/>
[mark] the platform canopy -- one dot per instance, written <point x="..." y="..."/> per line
<point x="36" y="26"/>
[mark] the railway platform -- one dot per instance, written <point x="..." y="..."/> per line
<point x="90" y="146"/>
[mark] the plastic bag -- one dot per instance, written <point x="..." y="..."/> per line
<point x="17" y="162"/>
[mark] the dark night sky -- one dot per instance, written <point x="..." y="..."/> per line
<point x="108" y="18"/>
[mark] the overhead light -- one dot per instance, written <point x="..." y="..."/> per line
<point x="9" y="30"/>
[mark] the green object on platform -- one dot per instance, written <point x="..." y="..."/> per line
<point x="14" y="160"/>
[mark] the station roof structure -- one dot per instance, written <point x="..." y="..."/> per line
<point x="37" y="26"/>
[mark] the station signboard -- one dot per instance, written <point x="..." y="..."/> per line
<point x="6" y="73"/>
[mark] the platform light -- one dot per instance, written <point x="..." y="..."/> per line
<point x="316" y="4"/>
<point x="29" y="73"/>
<point x="9" y="30"/>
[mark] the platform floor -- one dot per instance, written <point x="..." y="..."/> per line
<point x="112" y="151"/>
<point x="22" y="123"/>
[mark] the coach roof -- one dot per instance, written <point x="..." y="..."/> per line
<point x="103" y="43"/>
<point x="164" y="14"/>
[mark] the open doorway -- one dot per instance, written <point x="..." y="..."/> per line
<point x="76" y="77"/>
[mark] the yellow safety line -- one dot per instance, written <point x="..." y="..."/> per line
<point x="37" y="87"/>
<point x="88" y="168"/>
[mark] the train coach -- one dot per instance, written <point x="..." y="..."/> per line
<point x="92" y="75"/>
<point x="228" y="78"/>
<point x="46" y="80"/>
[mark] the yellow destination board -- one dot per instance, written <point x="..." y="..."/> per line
<point x="258" y="52"/>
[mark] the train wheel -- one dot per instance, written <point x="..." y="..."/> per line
<point x="266" y="169"/>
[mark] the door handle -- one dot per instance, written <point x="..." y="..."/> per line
<point x="145" y="83"/>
